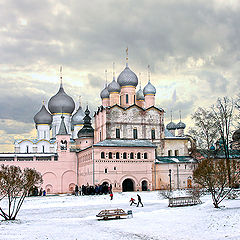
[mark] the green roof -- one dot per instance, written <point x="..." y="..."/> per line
<point x="219" y="153"/>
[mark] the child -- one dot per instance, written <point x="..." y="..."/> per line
<point x="132" y="201"/>
<point x="111" y="196"/>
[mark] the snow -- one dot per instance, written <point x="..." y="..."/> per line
<point x="69" y="217"/>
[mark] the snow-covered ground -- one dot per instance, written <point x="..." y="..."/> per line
<point x="70" y="218"/>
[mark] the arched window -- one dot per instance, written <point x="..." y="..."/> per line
<point x="134" y="99"/>
<point x="131" y="155"/>
<point x="169" y="153"/>
<point x="124" y="155"/>
<point x="100" y="136"/>
<point x="138" y="155"/>
<point x="153" y="134"/>
<point x="145" y="156"/>
<point x="126" y="98"/>
<point x="110" y="155"/>
<point x="27" y="149"/>
<point x="117" y="155"/>
<point x="120" y="100"/>
<point x="43" y="150"/>
<point x="102" y="154"/>
<point x="105" y="170"/>
<point x="176" y="153"/>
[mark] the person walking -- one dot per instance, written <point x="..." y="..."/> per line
<point x="76" y="190"/>
<point x="139" y="200"/>
<point x="111" y="196"/>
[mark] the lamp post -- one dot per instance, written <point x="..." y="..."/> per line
<point x="170" y="179"/>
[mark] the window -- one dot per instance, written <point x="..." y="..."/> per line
<point x="110" y="155"/>
<point x="127" y="98"/>
<point x="169" y="152"/>
<point x="153" y="133"/>
<point x="131" y="155"/>
<point x="138" y="155"/>
<point x="135" y="133"/>
<point x="124" y="155"/>
<point x="134" y="99"/>
<point x="176" y="153"/>
<point x="115" y="185"/>
<point x="145" y="155"/>
<point x="44" y="134"/>
<point x="117" y="155"/>
<point x="185" y="166"/>
<point x="120" y="100"/>
<point x="117" y="133"/>
<point x="102" y="154"/>
<point x="27" y="149"/>
<point x="100" y="136"/>
<point x="43" y="149"/>
<point x="105" y="170"/>
<point x="115" y="168"/>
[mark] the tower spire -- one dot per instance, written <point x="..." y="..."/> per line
<point x="139" y="75"/>
<point x="106" y="77"/>
<point x="180" y="115"/>
<point x="61" y="76"/>
<point x="80" y="100"/>
<point x="171" y="115"/>
<point x="127" y="57"/>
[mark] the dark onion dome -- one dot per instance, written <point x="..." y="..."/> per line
<point x="43" y="116"/>
<point x="61" y="102"/>
<point x="181" y="125"/>
<point x="77" y="118"/>
<point x="104" y="93"/>
<point x="149" y="89"/>
<point x="113" y="87"/>
<point x="139" y="95"/>
<point x="87" y="131"/>
<point x="127" y="78"/>
<point x="236" y="135"/>
<point x="171" y="126"/>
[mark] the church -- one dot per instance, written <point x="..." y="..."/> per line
<point x="125" y="144"/>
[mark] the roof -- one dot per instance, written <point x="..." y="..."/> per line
<point x="175" y="159"/>
<point x="218" y="154"/>
<point x="124" y="143"/>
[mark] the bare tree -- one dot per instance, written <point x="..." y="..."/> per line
<point x="213" y="175"/>
<point x="15" y="184"/>
<point x="205" y="131"/>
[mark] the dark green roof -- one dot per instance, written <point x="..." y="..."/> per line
<point x="175" y="159"/>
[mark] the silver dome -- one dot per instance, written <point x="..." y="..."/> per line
<point x="61" y="102"/>
<point x="127" y="78"/>
<point x="43" y="116"/>
<point x="104" y="93"/>
<point x="139" y="95"/>
<point x="149" y="89"/>
<point x="114" y="87"/>
<point x="180" y="125"/>
<point x="77" y="118"/>
<point x="171" y="126"/>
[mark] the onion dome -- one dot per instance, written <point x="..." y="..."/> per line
<point x="149" y="89"/>
<point x="43" y="116"/>
<point x="61" y="102"/>
<point x="87" y="131"/>
<point x="114" y="87"/>
<point x="139" y="95"/>
<point x="127" y="78"/>
<point x="77" y="118"/>
<point x="104" y="93"/>
<point x="171" y="126"/>
<point x="236" y="135"/>
<point x="181" y="125"/>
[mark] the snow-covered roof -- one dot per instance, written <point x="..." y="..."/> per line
<point x="175" y="159"/>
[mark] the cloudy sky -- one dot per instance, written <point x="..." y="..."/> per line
<point x="193" y="48"/>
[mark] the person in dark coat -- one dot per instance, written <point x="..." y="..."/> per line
<point x="76" y="190"/>
<point x="139" y="200"/>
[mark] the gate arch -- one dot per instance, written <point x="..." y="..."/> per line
<point x="128" y="185"/>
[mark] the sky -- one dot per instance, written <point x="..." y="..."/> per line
<point x="192" y="48"/>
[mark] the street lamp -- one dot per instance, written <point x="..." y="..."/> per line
<point x="170" y="179"/>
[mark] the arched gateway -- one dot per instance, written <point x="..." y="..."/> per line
<point x="128" y="185"/>
<point x="144" y="185"/>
